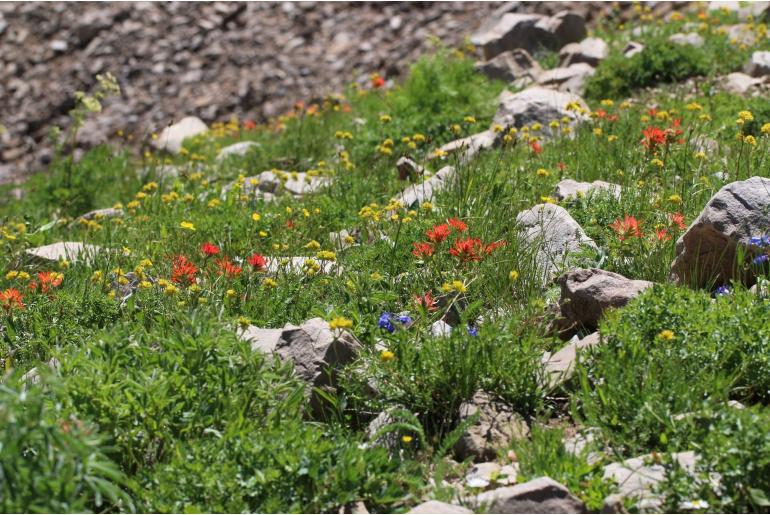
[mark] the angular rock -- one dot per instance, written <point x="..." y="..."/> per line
<point x="586" y="293"/>
<point x="632" y="48"/>
<point x="469" y="146"/>
<point x="498" y="426"/>
<point x="99" y="214"/>
<point x="440" y="329"/>
<point x="408" y="168"/>
<point x="482" y="475"/>
<point x="539" y="105"/>
<point x="237" y="149"/>
<point x="555" y="235"/>
<point x="72" y="251"/>
<point x="541" y="495"/>
<point x="530" y="32"/>
<point x="416" y="194"/>
<point x="759" y="65"/>
<point x="637" y="477"/>
<point x="740" y="83"/>
<point x="569" y="188"/>
<point x="689" y="39"/>
<point x="571" y="79"/>
<point x="171" y="138"/>
<point x="438" y="508"/>
<point x="706" y="252"/>
<point x="560" y="366"/>
<point x="510" y="66"/>
<point x="591" y="51"/>
<point x="316" y="350"/>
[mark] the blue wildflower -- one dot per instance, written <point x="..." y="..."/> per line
<point x="405" y="319"/>
<point x="473" y="330"/>
<point x="723" y="290"/>
<point x="759" y="241"/>
<point x="385" y="323"/>
<point x="761" y="259"/>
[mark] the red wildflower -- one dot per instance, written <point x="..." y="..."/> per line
<point x="601" y="113"/>
<point x="183" y="270"/>
<point x="662" y="235"/>
<point x="426" y="301"/>
<point x="467" y="249"/>
<point x="378" y="81"/>
<point x="290" y="224"/>
<point x="653" y="137"/>
<point x="11" y="298"/>
<point x="495" y="245"/>
<point x="257" y="261"/>
<point x="209" y="249"/>
<point x="678" y="219"/>
<point x="627" y="228"/>
<point x="561" y="165"/>
<point x="652" y="112"/>
<point x="49" y="280"/>
<point x="249" y="125"/>
<point x="228" y="268"/>
<point x="439" y="233"/>
<point x="458" y="224"/>
<point x="536" y="147"/>
<point x="422" y="249"/>
<point x="612" y="118"/>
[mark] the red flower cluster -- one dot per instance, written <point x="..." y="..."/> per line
<point x="422" y="249"/>
<point x="426" y="301"/>
<point x="439" y="233"/>
<point x="209" y="249"/>
<point x="472" y="249"/>
<point x="378" y="81"/>
<point x="228" y="268"/>
<point x="47" y="280"/>
<point x="11" y="298"/>
<point x="183" y="270"/>
<point x="652" y="136"/>
<point x="467" y="249"/>
<point x="536" y="147"/>
<point x="627" y="228"/>
<point x="257" y="261"/>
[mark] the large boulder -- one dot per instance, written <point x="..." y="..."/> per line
<point x="530" y="32"/>
<point x="171" y="138"/>
<point x="706" y="252"/>
<point x="569" y="188"/>
<point x="512" y="65"/>
<point x="555" y="236"/>
<point x="759" y="65"/>
<point x="498" y="425"/>
<point x="425" y="191"/>
<point x="538" y="105"/>
<point x="72" y="251"/>
<point x="586" y="293"/>
<point x="571" y="78"/>
<point x="541" y="495"/>
<point x="591" y="51"/>
<point x="316" y="350"/>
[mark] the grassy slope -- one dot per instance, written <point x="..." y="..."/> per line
<point x="170" y="412"/>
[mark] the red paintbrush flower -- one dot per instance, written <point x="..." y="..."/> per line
<point x="678" y="220"/>
<point x="257" y="261"/>
<point x="228" y="268"/>
<point x="183" y="270"/>
<point x="439" y="233"/>
<point x="426" y="301"/>
<point x="422" y="249"/>
<point x="535" y="146"/>
<point x="468" y="249"/>
<point x="652" y="137"/>
<point x="209" y="249"/>
<point x="458" y="225"/>
<point x="627" y="228"/>
<point x="49" y="280"/>
<point x="11" y="298"/>
<point x="378" y="81"/>
<point x="662" y="235"/>
<point x="495" y="245"/>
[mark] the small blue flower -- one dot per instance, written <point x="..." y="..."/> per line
<point x="385" y="323"/>
<point x="405" y="319"/>
<point x="761" y="259"/>
<point x="473" y="330"/>
<point x="755" y="241"/>
<point x="723" y="290"/>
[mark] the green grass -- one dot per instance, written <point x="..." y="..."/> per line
<point x="157" y="406"/>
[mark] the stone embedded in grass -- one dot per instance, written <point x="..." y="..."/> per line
<point x="408" y="168"/>
<point x="72" y="251"/>
<point x="99" y="214"/>
<point x="706" y="253"/>
<point x="529" y="31"/>
<point x="555" y="236"/>
<point x="316" y="350"/>
<point x="440" y="329"/>
<point x="416" y="194"/>
<point x="236" y="149"/>
<point x="32" y="376"/>
<point x="541" y="495"/>
<point x="538" y="105"/>
<point x="591" y="51"/>
<point x="439" y="508"/>
<point x="759" y="65"/>
<point x="740" y="83"/>
<point x="632" y="48"/>
<point x="743" y="10"/>
<point x="498" y="425"/>
<point x="586" y="293"/>
<point x="270" y="183"/>
<point x="560" y="366"/>
<point x="513" y="65"/>
<point x="172" y="137"/>
<point x="741" y="33"/>
<point x="638" y="477"/>
<point x="468" y="147"/>
<point x="570" y="79"/>
<point x="569" y="188"/>
<point x="690" y="39"/>
<point x="300" y="265"/>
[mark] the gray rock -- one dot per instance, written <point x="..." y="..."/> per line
<point x="237" y="149"/>
<point x="32" y="376"/>
<point x="759" y="65"/>
<point x="510" y="66"/>
<point x="72" y="251"/>
<point x="555" y="236"/>
<point x="271" y="183"/>
<point x="571" y="79"/>
<point x="99" y="214"/>
<point x="416" y="194"/>
<point x="316" y="350"/>
<point x="632" y="48"/>
<point x="498" y="426"/>
<point x="586" y="293"/>
<point x="591" y="51"/>
<point x="569" y="188"/>
<point x="438" y="508"/>
<point x="530" y="32"/>
<point x="740" y="83"/>
<point x="637" y="477"/>
<point x="408" y="168"/>
<point x="389" y="440"/>
<point x="580" y="445"/>
<point x="541" y="495"/>
<point x="171" y="138"/>
<point x="539" y="105"/>
<point x="741" y="34"/>
<point x="744" y="10"/>
<point x="468" y="147"/>
<point x="440" y="329"/>
<point x="300" y="264"/>
<point x="341" y="239"/>
<point x="706" y="252"/>
<point x="560" y="366"/>
<point x="482" y="474"/>
<point x="691" y="39"/>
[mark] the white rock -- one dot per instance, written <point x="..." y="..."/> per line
<point x="237" y="149"/>
<point x="72" y="251"/>
<point x="172" y="137"/>
<point x="569" y="188"/>
<point x="537" y="104"/>
<point x="691" y="39"/>
<point x="759" y="65"/>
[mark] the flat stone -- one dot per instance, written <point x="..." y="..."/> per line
<point x="740" y="83"/>
<point x="72" y="251"/>
<point x="425" y="191"/>
<point x="541" y="495"/>
<point x="99" y="214"/>
<point x="632" y="48"/>
<point x="560" y="366"/>
<point x="171" y="138"/>
<point x="591" y="51"/>
<point x="570" y="79"/>
<point x="689" y="39"/>
<point x="438" y="508"/>
<point x="537" y="104"/>
<point x="237" y="149"/>
<point x="569" y="188"/>
<point x="468" y="147"/>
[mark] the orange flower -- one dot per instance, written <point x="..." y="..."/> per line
<point x="11" y="298"/>
<point x="439" y="233"/>
<point x="678" y="219"/>
<point x="627" y="228"/>
<point x="422" y="249"/>
<point x="228" y="268"/>
<point x="458" y="224"/>
<point x="49" y="280"/>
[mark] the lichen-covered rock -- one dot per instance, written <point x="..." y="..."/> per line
<point x="706" y="252"/>
<point x="498" y="426"/>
